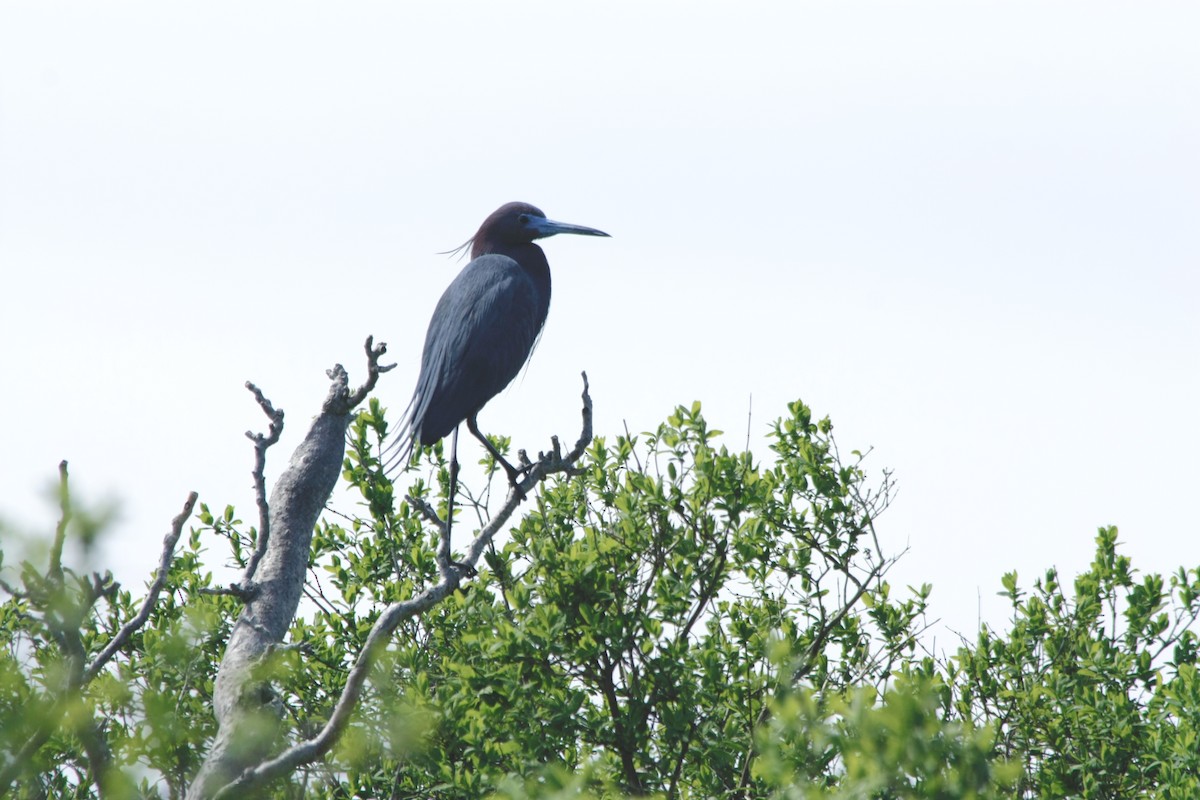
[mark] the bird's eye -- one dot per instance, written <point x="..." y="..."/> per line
<point x="523" y="219"/>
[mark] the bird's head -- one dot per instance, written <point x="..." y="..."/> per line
<point x="514" y="224"/>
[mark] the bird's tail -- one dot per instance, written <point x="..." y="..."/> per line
<point x="395" y="454"/>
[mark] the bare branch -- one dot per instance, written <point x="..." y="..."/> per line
<point x="312" y="749"/>
<point x="160" y="580"/>
<point x="296" y="501"/>
<point x="546" y="465"/>
<point x="340" y="399"/>
<point x="749" y="420"/>
<point x="427" y="511"/>
<point x="309" y="751"/>
<point x="60" y="533"/>
<point x="261" y="444"/>
<point x="374" y="370"/>
<point x="443" y="552"/>
<point x="275" y="415"/>
<point x="232" y="590"/>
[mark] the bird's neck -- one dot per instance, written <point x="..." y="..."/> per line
<point x="528" y="255"/>
<point x="525" y="251"/>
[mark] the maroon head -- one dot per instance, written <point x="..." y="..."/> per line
<point x="516" y="224"/>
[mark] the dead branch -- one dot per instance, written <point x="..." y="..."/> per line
<point x="278" y="576"/>
<point x="160" y="580"/>
<point x="316" y="747"/>
<point x="261" y="445"/>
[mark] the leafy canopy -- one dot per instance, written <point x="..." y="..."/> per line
<point x="675" y="620"/>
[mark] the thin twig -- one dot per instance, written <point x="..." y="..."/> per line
<point x="443" y="552"/>
<point x="60" y="533"/>
<point x="160" y="580"/>
<point x="427" y="511"/>
<point x="374" y="370"/>
<point x="749" y="420"/>
<point x="261" y="444"/>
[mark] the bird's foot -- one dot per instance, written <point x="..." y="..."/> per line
<point x="514" y="480"/>
<point x="515" y="474"/>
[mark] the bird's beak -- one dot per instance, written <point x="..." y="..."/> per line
<point x="548" y="227"/>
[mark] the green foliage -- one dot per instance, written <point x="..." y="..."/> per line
<point x="674" y="620"/>
<point x="147" y="710"/>
<point x="894" y="746"/>
<point x="1094" y="691"/>
<point x="642" y="617"/>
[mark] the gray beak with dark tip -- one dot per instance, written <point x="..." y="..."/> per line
<point x="548" y="227"/>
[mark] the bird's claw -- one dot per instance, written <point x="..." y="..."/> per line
<point x="514" y="479"/>
<point x="515" y="473"/>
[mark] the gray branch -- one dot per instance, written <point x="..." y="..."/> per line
<point x="261" y="445"/>
<point x="254" y="778"/>
<point x="246" y="707"/>
<point x="55" y="573"/>
<point x="160" y="580"/>
<point x="374" y="370"/>
<point x="444" y="563"/>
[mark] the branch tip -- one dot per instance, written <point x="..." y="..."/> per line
<point x="160" y="580"/>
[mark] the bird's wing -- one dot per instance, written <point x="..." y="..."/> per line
<point x="481" y="333"/>
<point x="396" y="452"/>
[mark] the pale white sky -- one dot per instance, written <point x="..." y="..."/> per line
<point x="969" y="232"/>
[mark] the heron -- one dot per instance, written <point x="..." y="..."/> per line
<point x="482" y="332"/>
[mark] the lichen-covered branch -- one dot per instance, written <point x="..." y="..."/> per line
<point x="251" y="778"/>
<point x="247" y="708"/>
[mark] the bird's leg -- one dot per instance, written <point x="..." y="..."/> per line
<point x="465" y="568"/>
<point x="513" y="473"/>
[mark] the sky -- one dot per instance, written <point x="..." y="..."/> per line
<point x="968" y="232"/>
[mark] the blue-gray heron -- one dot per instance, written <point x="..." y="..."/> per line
<point x="482" y="331"/>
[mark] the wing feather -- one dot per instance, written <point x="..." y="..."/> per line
<point x="481" y="334"/>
